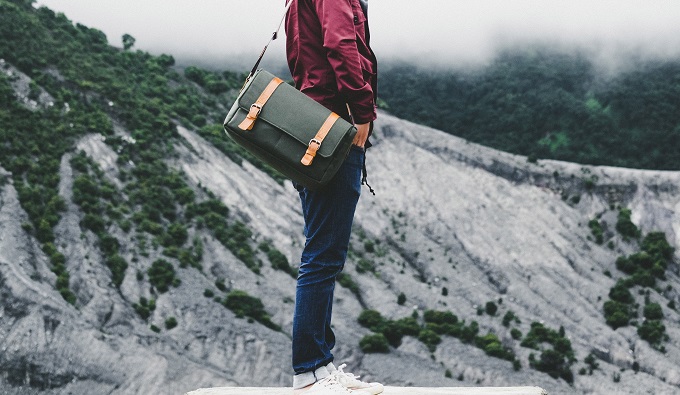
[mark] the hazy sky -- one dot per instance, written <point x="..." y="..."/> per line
<point x="446" y="31"/>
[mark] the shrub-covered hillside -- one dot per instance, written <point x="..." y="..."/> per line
<point x="79" y="84"/>
<point x="544" y="104"/>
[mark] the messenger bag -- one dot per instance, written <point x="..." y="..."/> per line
<point x="286" y="129"/>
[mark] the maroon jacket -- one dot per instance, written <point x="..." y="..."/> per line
<point x="328" y="52"/>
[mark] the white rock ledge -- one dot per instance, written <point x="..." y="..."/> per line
<point x="388" y="391"/>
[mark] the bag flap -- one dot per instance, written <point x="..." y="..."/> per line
<point x="292" y="112"/>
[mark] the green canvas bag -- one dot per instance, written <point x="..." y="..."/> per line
<point x="286" y="129"/>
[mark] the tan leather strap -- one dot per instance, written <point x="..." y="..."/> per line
<point x="315" y="143"/>
<point x="256" y="107"/>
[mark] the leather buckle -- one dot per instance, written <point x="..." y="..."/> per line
<point x="315" y="141"/>
<point x="257" y="107"/>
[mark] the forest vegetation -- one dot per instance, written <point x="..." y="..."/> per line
<point x="549" y="105"/>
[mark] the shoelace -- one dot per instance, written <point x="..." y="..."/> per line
<point x="348" y="377"/>
<point x="334" y="385"/>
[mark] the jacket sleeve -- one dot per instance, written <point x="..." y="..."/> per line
<point x="339" y="39"/>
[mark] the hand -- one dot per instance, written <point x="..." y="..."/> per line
<point x="362" y="134"/>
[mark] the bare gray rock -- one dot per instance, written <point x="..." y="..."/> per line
<point x="29" y="94"/>
<point x="483" y="224"/>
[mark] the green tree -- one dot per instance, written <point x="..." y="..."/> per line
<point x="652" y="331"/>
<point x="653" y="311"/>
<point x="128" y="41"/>
<point x="376" y="343"/>
<point x="440" y="317"/>
<point x="280" y="262"/>
<point x="244" y="305"/>
<point x="429" y="338"/>
<point x="372" y="320"/>
<point x="176" y="235"/>
<point x="118" y="266"/>
<point x="616" y="314"/>
<point x="620" y="293"/>
<point x="491" y="308"/>
<point x="657" y="246"/>
<point x="346" y="281"/>
<point x="170" y="323"/>
<point x="508" y="318"/>
<point x="553" y="363"/>
<point x="625" y="226"/>
<point x="162" y="275"/>
<point x="596" y="230"/>
<point x="144" y="307"/>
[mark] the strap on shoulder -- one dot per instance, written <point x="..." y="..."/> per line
<point x="274" y="37"/>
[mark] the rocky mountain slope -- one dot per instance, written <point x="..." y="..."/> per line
<point x="484" y="225"/>
<point x="143" y="252"/>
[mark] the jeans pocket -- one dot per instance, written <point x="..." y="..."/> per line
<point x="356" y="156"/>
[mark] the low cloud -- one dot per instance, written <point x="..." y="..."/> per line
<point x="441" y="32"/>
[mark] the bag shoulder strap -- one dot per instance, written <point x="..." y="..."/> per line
<point x="274" y="37"/>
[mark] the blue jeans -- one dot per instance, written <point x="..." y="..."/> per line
<point x="328" y="215"/>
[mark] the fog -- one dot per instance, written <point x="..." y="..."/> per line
<point x="441" y="32"/>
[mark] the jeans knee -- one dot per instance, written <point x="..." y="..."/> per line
<point x="315" y="272"/>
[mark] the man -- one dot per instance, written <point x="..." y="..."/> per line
<point x="328" y="53"/>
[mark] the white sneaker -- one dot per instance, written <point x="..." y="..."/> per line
<point x="331" y="386"/>
<point x="352" y="382"/>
